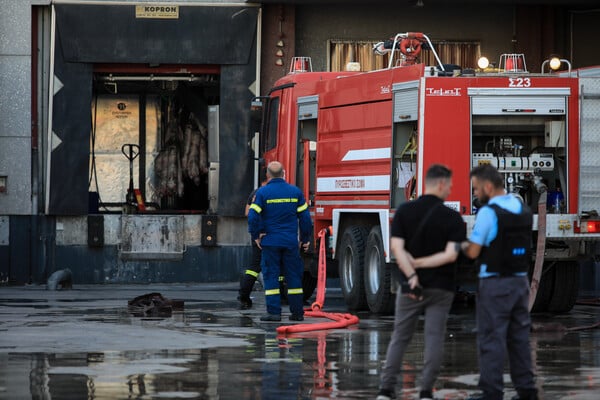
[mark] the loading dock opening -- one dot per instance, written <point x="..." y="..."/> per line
<point x="199" y="66"/>
<point x="165" y="111"/>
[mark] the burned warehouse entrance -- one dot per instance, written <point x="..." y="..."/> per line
<point x="165" y="124"/>
<point x="149" y="131"/>
<point x="176" y="64"/>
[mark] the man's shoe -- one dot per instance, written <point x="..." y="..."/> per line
<point x="426" y="395"/>
<point x="296" y="317"/>
<point x="385" y="394"/>
<point x="271" y="318"/>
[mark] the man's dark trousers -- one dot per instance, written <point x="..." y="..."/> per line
<point x="503" y="317"/>
<point x="250" y="274"/>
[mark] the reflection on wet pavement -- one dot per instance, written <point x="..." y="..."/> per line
<point x="85" y="345"/>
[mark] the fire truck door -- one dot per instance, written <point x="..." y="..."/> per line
<point x="307" y="146"/>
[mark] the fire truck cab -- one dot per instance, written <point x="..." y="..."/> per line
<point x="358" y="145"/>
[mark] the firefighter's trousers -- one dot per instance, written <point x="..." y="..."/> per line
<point x="277" y="259"/>
<point x="251" y="274"/>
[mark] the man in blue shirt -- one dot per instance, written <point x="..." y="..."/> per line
<point x="501" y="241"/>
<point x="273" y="219"/>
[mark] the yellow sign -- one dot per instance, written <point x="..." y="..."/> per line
<point x="157" y="11"/>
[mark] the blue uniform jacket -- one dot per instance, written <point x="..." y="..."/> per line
<point x="276" y="211"/>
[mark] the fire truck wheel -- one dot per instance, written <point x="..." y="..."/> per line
<point x="351" y="265"/>
<point x="566" y="286"/>
<point x="377" y="275"/>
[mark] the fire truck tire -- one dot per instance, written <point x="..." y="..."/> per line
<point x="566" y="287"/>
<point x="351" y="266"/>
<point x="377" y="275"/>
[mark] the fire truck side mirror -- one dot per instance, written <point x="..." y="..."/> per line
<point x="256" y="110"/>
<point x="256" y="122"/>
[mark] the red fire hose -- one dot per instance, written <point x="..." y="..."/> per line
<point x="540" y="250"/>
<point x="338" y="320"/>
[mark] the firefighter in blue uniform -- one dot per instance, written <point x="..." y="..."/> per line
<point x="501" y="240"/>
<point x="273" y="220"/>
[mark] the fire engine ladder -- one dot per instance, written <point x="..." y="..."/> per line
<point x="589" y="139"/>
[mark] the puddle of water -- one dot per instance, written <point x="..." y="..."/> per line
<point x="316" y="365"/>
<point x="211" y="350"/>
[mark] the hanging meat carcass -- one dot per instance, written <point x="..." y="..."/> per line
<point x="168" y="172"/>
<point x="195" y="150"/>
<point x="174" y="185"/>
<point x="187" y="145"/>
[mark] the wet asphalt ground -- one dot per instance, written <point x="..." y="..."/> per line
<point x="85" y="343"/>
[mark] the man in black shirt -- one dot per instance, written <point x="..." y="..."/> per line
<point x="251" y="273"/>
<point x="426" y="237"/>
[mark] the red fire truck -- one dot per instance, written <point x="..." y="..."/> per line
<point x="358" y="144"/>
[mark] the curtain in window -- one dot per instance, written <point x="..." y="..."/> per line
<point x="464" y="54"/>
<point x="343" y="52"/>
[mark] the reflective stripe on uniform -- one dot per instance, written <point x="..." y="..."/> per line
<point x="295" y="291"/>
<point x="302" y="207"/>
<point x="251" y="272"/>
<point x="256" y="208"/>
<point x="289" y="200"/>
<point x="271" y="292"/>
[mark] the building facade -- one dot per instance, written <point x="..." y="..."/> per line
<point x="108" y="102"/>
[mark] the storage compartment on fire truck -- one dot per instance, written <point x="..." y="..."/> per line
<point x="404" y="142"/>
<point x="525" y="138"/>
<point x="168" y="117"/>
<point x="307" y="146"/>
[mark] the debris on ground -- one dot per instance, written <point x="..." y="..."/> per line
<point x="61" y="279"/>
<point x="153" y="305"/>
